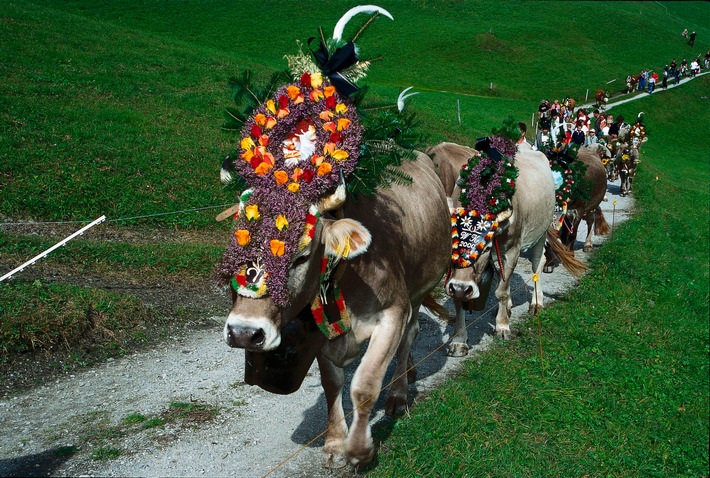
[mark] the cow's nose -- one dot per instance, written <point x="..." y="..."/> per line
<point x="460" y="291"/>
<point x="245" y="337"/>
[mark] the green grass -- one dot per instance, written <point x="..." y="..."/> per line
<point x="622" y="389"/>
<point x="115" y="108"/>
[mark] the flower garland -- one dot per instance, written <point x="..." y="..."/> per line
<point x="487" y="186"/>
<point x="330" y="329"/>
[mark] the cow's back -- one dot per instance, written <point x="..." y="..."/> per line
<point x="448" y="159"/>
<point x="595" y="176"/>
<point x="411" y="243"/>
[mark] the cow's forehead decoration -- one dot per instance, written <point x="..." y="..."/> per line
<point x="298" y="142"/>
<point x="471" y="233"/>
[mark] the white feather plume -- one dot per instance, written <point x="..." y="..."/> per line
<point x="340" y="26"/>
<point x="403" y="96"/>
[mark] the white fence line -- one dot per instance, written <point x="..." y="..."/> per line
<point x="59" y="244"/>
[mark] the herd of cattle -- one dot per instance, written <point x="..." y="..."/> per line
<point x="399" y="242"/>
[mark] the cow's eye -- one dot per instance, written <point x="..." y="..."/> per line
<point x="299" y="261"/>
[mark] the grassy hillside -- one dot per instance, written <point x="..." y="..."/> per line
<point x="622" y="388"/>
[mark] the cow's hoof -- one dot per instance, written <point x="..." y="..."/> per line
<point x="396" y="405"/>
<point x="534" y="309"/>
<point x="335" y="462"/>
<point x="363" y="460"/>
<point x="457" y="349"/>
<point x="548" y="269"/>
<point x="506" y="334"/>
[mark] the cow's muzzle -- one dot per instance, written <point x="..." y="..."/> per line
<point x="251" y="338"/>
<point x="461" y="290"/>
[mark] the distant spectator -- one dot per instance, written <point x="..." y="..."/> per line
<point x="665" y="77"/>
<point x="676" y="76"/>
<point x="691" y="39"/>
<point x="673" y="64"/>
<point x="578" y="135"/>
<point x="597" y="120"/>
<point x="694" y="68"/>
<point x="543" y="138"/>
<point x="543" y="111"/>
<point x="684" y="67"/>
<point x="591" y="138"/>
<point x="706" y="61"/>
<point x="522" y="141"/>
<point x="685" y="33"/>
<point x="614" y="128"/>
<point x="652" y="78"/>
<point x="556" y="104"/>
<point x="642" y="80"/>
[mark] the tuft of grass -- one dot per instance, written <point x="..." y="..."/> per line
<point x="153" y="423"/>
<point x="134" y="418"/>
<point x="105" y="453"/>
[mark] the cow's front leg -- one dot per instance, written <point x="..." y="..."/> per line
<point x="537" y="262"/>
<point x="459" y="346"/>
<point x="367" y="382"/>
<point x="505" y="302"/>
<point x="332" y="379"/>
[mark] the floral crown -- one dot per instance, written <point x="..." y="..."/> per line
<point x="299" y="142"/>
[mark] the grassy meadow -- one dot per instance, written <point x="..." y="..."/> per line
<point x="117" y="108"/>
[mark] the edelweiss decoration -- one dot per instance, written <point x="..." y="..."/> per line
<point x="300" y="141"/>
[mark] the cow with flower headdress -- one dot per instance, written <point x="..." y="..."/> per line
<point x="499" y="207"/>
<point x="627" y="155"/>
<point x="341" y="233"/>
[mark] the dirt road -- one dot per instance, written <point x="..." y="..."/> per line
<point x="116" y="419"/>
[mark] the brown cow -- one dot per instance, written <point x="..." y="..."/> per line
<point x="527" y="228"/>
<point x="595" y="178"/>
<point x="399" y="246"/>
<point x="631" y="82"/>
<point x="602" y="98"/>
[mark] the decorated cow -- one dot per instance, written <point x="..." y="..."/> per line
<point x="499" y="209"/>
<point x="627" y="156"/>
<point x="341" y="233"/>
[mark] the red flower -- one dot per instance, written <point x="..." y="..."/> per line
<point x="335" y="137"/>
<point x="330" y="102"/>
<point x="283" y="101"/>
<point x="255" y="131"/>
<point x="308" y="175"/>
<point x="306" y="79"/>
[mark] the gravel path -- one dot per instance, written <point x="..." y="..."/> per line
<point x="65" y="427"/>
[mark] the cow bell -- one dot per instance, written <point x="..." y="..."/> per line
<point x="283" y="369"/>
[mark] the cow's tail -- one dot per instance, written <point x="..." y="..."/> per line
<point x="566" y="257"/>
<point x="436" y="308"/>
<point x="601" y="227"/>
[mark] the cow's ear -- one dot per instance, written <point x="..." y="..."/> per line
<point x="345" y="238"/>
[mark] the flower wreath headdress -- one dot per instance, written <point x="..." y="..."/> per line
<point x="300" y="141"/>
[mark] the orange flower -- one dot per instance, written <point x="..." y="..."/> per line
<point x="282" y="113"/>
<point x="243" y="237"/>
<point x="269" y="158"/>
<point x="260" y="119"/>
<point x="252" y="212"/>
<point x="324" y="169"/>
<point x="294" y="187"/>
<point x="298" y="100"/>
<point x="247" y="155"/>
<point x="281" y="177"/>
<point x="264" y="140"/>
<point x="270" y="122"/>
<point x="343" y="123"/>
<point x="271" y="106"/>
<point x="293" y="91"/>
<point x="329" y="148"/>
<point x="277" y="247"/>
<point x="317" y="160"/>
<point x="263" y="168"/>
<point x="281" y="222"/>
<point x="327" y="115"/>
<point x="330" y="126"/>
<point x="340" y="108"/>
<point x="329" y="91"/>
<point x="339" y="155"/>
<point x="316" y="95"/>
<point x="297" y="173"/>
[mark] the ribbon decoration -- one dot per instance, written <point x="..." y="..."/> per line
<point x="332" y="65"/>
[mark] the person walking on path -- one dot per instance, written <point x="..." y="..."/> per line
<point x="652" y="78"/>
<point x="691" y="39"/>
<point x="665" y="77"/>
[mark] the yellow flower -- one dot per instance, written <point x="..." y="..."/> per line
<point x="277" y="247"/>
<point x="243" y="237"/>
<point x="252" y="212"/>
<point x="316" y="79"/>
<point x="281" y="222"/>
<point x="271" y="106"/>
<point x="340" y="108"/>
<point x="294" y="187"/>
<point x="339" y="155"/>
<point x="247" y="143"/>
<point x="329" y="148"/>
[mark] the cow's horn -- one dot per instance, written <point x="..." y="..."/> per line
<point x="340" y="26"/>
<point x="335" y="200"/>
<point x="403" y="96"/>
